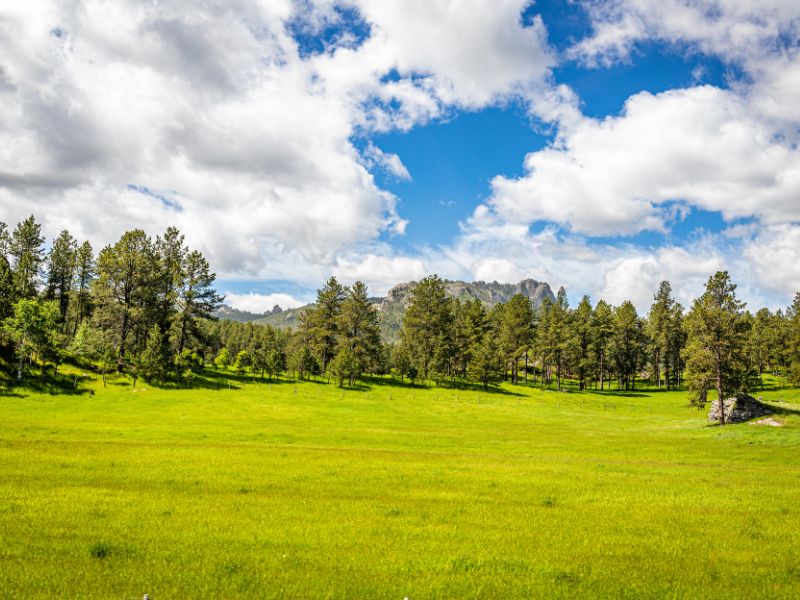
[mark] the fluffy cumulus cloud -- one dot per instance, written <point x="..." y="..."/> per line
<point x="212" y="116"/>
<point x="735" y="29"/>
<point x="732" y="151"/>
<point x="700" y="146"/>
<point x="247" y="124"/>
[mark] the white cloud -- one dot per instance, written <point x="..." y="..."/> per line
<point x="734" y="29"/>
<point x="700" y="146"/>
<point x="379" y="271"/>
<point x="387" y="161"/>
<point x="211" y="106"/>
<point x="259" y="303"/>
<point x="774" y="253"/>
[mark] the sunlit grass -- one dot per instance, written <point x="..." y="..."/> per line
<point x="307" y="491"/>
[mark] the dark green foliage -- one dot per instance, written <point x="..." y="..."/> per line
<point x="427" y="331"/>
<point x="514" y="329"/>
<point x="716" y="351"/>
<point x="34" y="329"/>
<point x="146" y="307"/>
<point x="486" y="365"/>
<point x="627" y="345"/>
<point x="320" y="322"/>
<point x="61" y="262"/>
<point x="26" y="253"/>
<point x="153" y="360"/>
<point x="792" y="357"/>
<point x="580" y="342"/>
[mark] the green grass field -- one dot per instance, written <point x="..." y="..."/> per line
<point x="301" y="491"/>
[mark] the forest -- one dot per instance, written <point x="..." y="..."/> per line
<point x="144" y="307"/>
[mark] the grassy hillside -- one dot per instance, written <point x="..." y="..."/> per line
<point x="388" y="491"/>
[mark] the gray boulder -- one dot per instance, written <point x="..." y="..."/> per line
<point x="738" y="409"/>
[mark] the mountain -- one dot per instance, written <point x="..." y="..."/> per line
<point x="392" y="307"/>
<point x="490" y="293"/>
<point x="228" y="313"/>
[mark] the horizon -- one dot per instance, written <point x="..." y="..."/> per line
<point x="599" y="147"/>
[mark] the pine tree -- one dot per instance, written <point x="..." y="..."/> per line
<point x="427" y="328"/>
<point x="581" y="339"/>
<point x="793" y="340"/>
<point x="168" y="280"/>
<point x="196" y="298"/>
<point x="320" y="322"/>
<point x="84" y="275"/>
<point x="61" y="262"/>
<point x="6" y="289"/>
<point x="470" y="324"/>
<point x="124" y="290"/>
<point x="487" y="362"/>
<point x="152" y="362"/>
<point x="27" y="254"/>
<point x="627" y="344"/>
<point x="514" y="325"/>
<point x="658" y="328"/>
<point x="716" y="352"/>
<point x="359" y="331"/>
<point x="603" y="331"/>
<point x="552" y="336"/>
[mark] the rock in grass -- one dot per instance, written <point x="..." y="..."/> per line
<point x="740" y="408"/>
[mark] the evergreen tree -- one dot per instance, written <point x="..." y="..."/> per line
<point x="427" y="327"/>
<point x="793" y="340"/>
<point x="168" y="279"/>
<point x="470" y="324"/>
<point x="124" y="289"/>
<point x="196" y="298"/>
<point x="627" y="344"/>
<point x="581" y="340"/>
<point x="6" y="289"/>
<point x="321" y="321"/>
<point x="359" y="331"/>
<point x="153" y="362"/>
<point x="515" y="331"/>
<point x="552" y="336"/>
<point x="27" y="254"/>
<point x="758" y="341"/>
<point x="659" y="328"/>
<point x="61" y="262"/>
<point x="716" y="352"/>
<point x="345" y="366"/>
<point x="487" y="362"/>
<point x="84" y="275"/>
<point x="603" y="331"/>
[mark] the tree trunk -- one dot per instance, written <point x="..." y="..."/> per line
<point x="602" y="356"/>
<point x="526" y="367"/>
<point x="718" y="367"/>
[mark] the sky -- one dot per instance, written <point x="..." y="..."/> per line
<point x="600" y="146"/>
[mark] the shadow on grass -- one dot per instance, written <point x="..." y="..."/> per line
<point x="60" y="386"/>
<point x="783" y="410"/>
<point x="370" y="381"/>
<point x="621" y="393"/>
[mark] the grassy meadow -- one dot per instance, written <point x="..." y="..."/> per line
<point x="301" y="490"/>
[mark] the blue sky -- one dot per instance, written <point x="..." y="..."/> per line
<point x="598" y="146"/>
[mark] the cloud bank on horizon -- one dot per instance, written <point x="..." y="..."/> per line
<point x="251" y="126"/>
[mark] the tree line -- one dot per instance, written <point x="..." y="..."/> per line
<point x="145" y="307"/>
<point x="139" y="306"/>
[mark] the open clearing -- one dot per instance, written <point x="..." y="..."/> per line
<point x="303" y="491"/>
